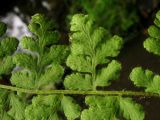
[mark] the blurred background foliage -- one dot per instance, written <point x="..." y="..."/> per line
<point x="115" y="15"/>
<point x="123" y="17"/>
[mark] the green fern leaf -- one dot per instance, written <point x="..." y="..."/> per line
<point x="152" y="42"/>
<point x="6" y="65"/>
<point x="130" y="109"/>
<point x="109" y="49"/>
<point x="24" y="79"/>
<point x="47" y="107"/>
<point x="57" y="54"/>
<point x="51" y="75"/>
<point x="41" y="63"/>
<point x="26" y="61"/>
<point x="8" y="45"/>
<point x="71" y="109"/>
<point x="29" y="43"/>
<point x="100" y="108"/>
<point x="146" y="79"/>
<point x="91" y="46"/>
<point x="17" y="107"/>
<point x="42" y="27"/>
<point x="111" y="108"/>
<point x="11" y="106"/>
<point x="111" y="72"/>
<point x="78" y="82"/>
<point x="42" y="107"/>
<point x="4" y="104"/>
<point x="79" y="63"/>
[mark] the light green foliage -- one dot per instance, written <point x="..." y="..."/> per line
<point x="6" y="65"/>
<point x="115" y="15"/>
<point x="91" y="46"/>
<point x="71" y="109"/>
<point x="49" y="107"/>
<point x="4" y="105"/>
<point x="111" y="72"/>
<point x="152" y="43"/>
<point x="40" y="67"/>
<point x="17" y="107"/>
<point x="8" y="46"/>
<point x="77" y="81"/>
<point x="100" y="108"/>
<point x="24" y="79"/>
<point x="146" y="78"/>
<point x="130" y="109"/>
<point x="111" y="108"/>
<point x="41" y="64"/>
<point x="11" y="106"/>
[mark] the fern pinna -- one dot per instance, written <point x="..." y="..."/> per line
<point x="146" y="78"/>
<point x="8" y="45"/>
<point x="40" y="65"/>
<point x="92" y="50"/>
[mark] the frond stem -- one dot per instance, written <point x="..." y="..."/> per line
<point x="76" y="92"/>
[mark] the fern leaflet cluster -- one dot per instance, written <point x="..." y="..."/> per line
<point x="91" y="55"/>
<point x="146" y="78"/>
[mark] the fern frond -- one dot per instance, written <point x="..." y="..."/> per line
<point x="146" y="78"/>
<point x="111" y="108"/>
<point x="41" y="66"/>
<point x="91" y="47"/>
<point x="48" y="107"/>
<point x="8" y="45"/>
